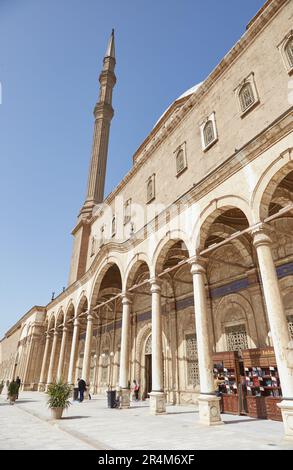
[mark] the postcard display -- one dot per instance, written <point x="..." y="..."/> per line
<point x="226" y="365"/>
<point x="261" y="391"/>
<point x="262" y="383"/>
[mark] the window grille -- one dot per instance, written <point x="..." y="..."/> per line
<point x="246" y="96"/>
<point x="150" y="190"/>
<point x="289" y="51"/>
<point x="236" y="338"/>
<point x="208" y="133"/>
<point x="127" y="211"/>
<point x="192" y="360"/>
<point x="148" y="345"/>
<point x="180" y="161"/>
<point x="113" y="226"/>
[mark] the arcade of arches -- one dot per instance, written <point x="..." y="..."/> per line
<point x="238" y="291"/>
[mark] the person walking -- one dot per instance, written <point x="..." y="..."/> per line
<point x="18" y="382"/>
<point x="81" y="389"/>
<point x="135" y="390"/>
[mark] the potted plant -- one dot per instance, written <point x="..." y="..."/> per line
<point x="59" y="394"/>
<point x="12" y="392"/>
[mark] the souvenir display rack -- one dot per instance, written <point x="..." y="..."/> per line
<point x="226" y="366"/>
<point x="262" y="383"/>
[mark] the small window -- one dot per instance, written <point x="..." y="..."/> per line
<point x="246" y="97"/>
<point x="286" y="49"/>
<point x="93" y="246"/>
<point x="127" y="211"/>
<point x="289" y="51"/>
<point x="151" y="188"/>
<point x="180" y="161"/>
<point x="113" y="226"/>
<point x="208" y="132"/>
<point x="102" y="235"/>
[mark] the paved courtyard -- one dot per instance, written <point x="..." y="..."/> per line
<point x="91" y="425"/>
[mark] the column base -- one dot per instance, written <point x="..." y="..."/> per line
<point x="157" y="403"/>
<point x="124" y="398"/>
<point x="286" y="407"/>
<point x="41" y="387"/>
<point x="209" y="410"/>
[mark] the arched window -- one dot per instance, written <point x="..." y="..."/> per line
<point x="246" y="96"/>
<point x="148" y="346"/>
<point x="127" y="211"/>
<point x="113" y="226"/>
<point x="93" y="246"/>
<point x="289" y="51"/>
<point x="180" y="161"/>
<point x="208" y="132"/>
<point x="150" y="190"/>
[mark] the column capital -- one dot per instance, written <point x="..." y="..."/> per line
<point x="48" y="336"/>
<point x="261" y="235"/>
<point x="90" y="316"/>
<point x="126" y="298"/>
<point x="56" y="332"/>
<point x="65" y="328"/>
<point x="76" y="322"/>
<point x="198" y="264"/>
<point x="155" y="283"/>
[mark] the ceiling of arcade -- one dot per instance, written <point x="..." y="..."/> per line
<point x="283" y="195"/>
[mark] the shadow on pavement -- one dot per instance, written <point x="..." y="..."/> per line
<point x="239" y="421"/>
<point x="67" y="418"/>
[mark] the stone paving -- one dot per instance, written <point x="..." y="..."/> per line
<point x="91" y="425"/>
<point x="22" y="431"/>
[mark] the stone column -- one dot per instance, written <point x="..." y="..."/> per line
<point x="87" y="349"/>
<point x="62" y="354"/>
<point x="52" y="358"/>
<point x="208" y="403"/>
<point x="74" y="344"/>
<point x="157" y="395"/>
<point x="124" y="353"/>
<point x="278" y="323"/>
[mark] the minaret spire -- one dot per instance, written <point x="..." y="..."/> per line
<point x="103" y="113"/>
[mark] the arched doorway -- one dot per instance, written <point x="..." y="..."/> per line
<point x="148" y="365"/>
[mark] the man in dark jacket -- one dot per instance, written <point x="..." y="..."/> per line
<point x="18" y="381"/>
<point x="81" y="389"/>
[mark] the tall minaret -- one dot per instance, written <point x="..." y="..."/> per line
<point x="103" y="113"/>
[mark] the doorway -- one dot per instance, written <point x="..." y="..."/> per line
<point x="148" y="374"/>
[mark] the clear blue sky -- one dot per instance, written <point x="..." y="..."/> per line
<point x="51" y="54"/>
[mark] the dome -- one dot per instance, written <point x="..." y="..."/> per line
<point x="187" y="93"/>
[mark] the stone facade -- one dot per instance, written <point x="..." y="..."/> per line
<point x="192" y="253"/>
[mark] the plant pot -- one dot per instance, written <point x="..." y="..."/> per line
<point x="12" y="399"/>
<point x="57" y="413"/>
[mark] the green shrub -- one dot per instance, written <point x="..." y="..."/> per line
<point x="59" y="394"/>
<point x="13" y="389"/>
